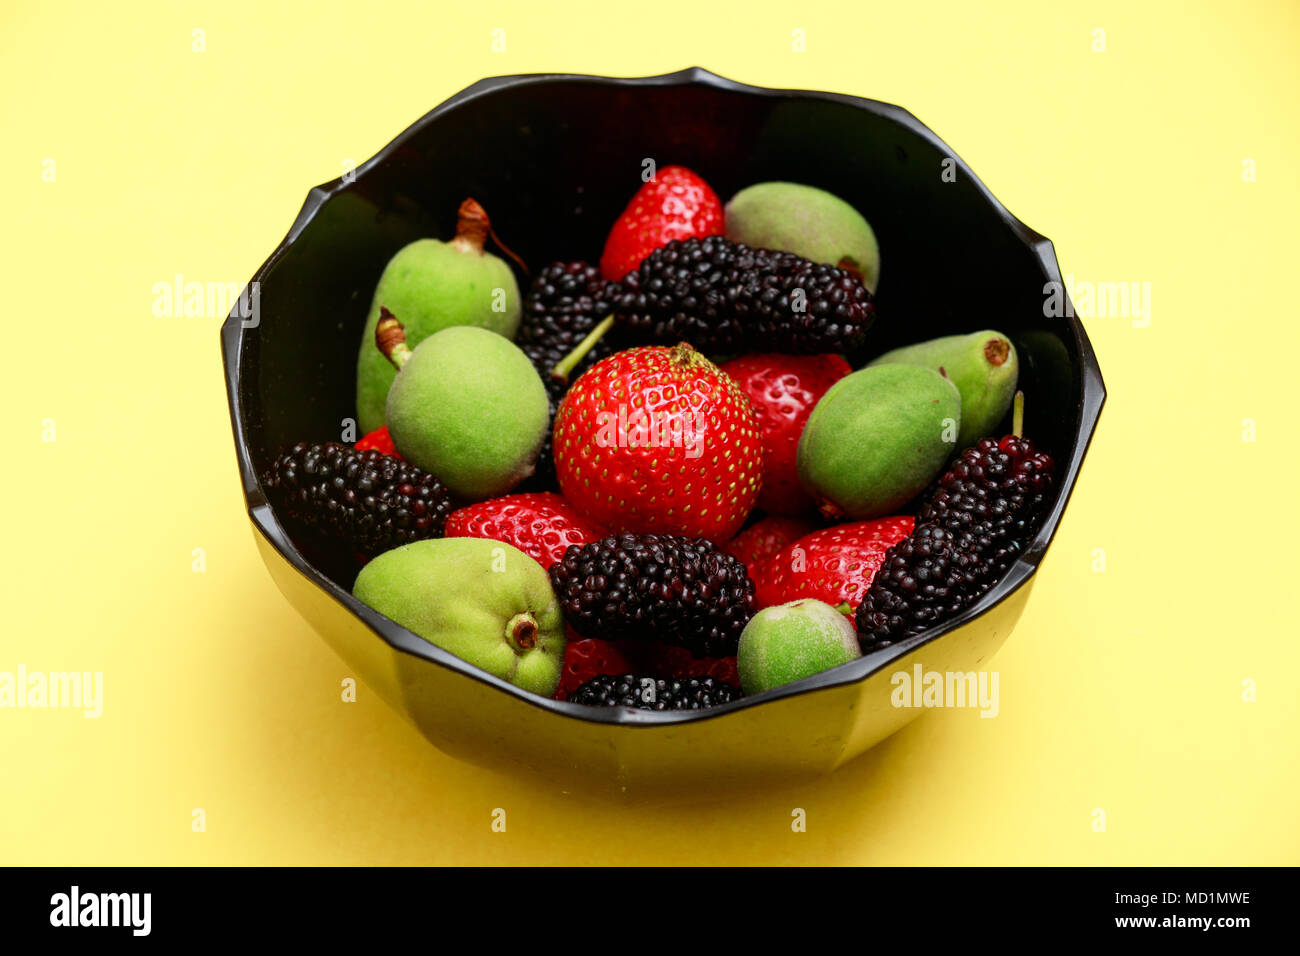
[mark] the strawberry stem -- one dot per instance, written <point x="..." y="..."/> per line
<point x="1018" y="414"/>
<point x="565" y="368"/>
<point x="685" y="356"/>
<point x="390" y="337"/>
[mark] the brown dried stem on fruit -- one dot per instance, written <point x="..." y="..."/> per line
<point x="997" y="351"/>
<point x="390" y="337"/>
<point x="473" y="227"/>
<point x="523" y="631"/>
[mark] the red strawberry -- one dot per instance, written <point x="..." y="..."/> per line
<point x="677" y="663"/>
<point x="542" y="525"/>
<point x="765" y="538"/>
<point x="584" y="658"/>
<point x="834" y="565"/>
<point x="657" y="439"/>
<point x="783" y="390"/>
<point x="379" y="440"/>
<point x="676" y="204"/>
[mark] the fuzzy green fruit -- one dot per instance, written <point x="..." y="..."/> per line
<point x="432" y="285"/>
<point x="484" y="601"/>
<point x="806" y="221"/>
<point x="877" y="438"/>
<point x="984" y="367"/>
<point x="785" y="642"/>
<point x="467" y="406"/>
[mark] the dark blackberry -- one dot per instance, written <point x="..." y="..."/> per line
<point x="647" y="693"/>
<point x="724" y="296"/>
<point x="566" y="301"/>
<point x="368" y="500"/>
<point x="978" y="518"/>
<point x="925" y="578"/>
<point x="653" y="587"/>
<point x="992" y="497"/>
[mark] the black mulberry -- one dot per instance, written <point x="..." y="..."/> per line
<point x="992" y="497"/>
<point x="978" y="518"/>
<point x="926" y="578"/>
<point x="650" y="587"/>
<point x="724" y="296"/>
<point x="371" y="501"/>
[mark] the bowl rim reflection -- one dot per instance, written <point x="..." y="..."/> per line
<point x="1092" y="397"/>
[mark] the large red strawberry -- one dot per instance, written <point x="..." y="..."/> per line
<point x="378" y="440"/>
<point x="585" y="658"/>
<point x="834" y="565"/>
<point x="676" y="204"/>
<point x="783" y="390"/>
<point x="765" y="538"/>
<point x="657" y="439"/>
<point x="541" y="525"/>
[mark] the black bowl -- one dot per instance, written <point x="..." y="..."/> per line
<point x="554" y="158"/>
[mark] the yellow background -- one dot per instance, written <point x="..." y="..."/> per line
<point x="1121" y="689"/>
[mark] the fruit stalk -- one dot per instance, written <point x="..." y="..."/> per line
<point x="566" y="365"/>
<point x="473" y="227"/>
<point x="685" y="357"/>
<point x="390" y="337"/>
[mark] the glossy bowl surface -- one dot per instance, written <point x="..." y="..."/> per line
<point x="554" y="158"/>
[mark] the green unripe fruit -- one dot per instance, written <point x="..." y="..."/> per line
<point x="432" y="285"/>
<point x="984" y="367"/>
<point x="806" y="221"/>
<point x="877" y="438"/>
<point x="467" y="406"/>
<point x="783" y="643"/>
<point x="484" y="601"/>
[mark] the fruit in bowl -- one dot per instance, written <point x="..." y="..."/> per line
<point x="652" y="456"/>
<point x="877" y="438"/>
<point x="485" y="601"/>
<point x="435" y="285"/>
<point x="787" y="642"/>
<point x="466" y="405"/>
<point x="806" y="220"/>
